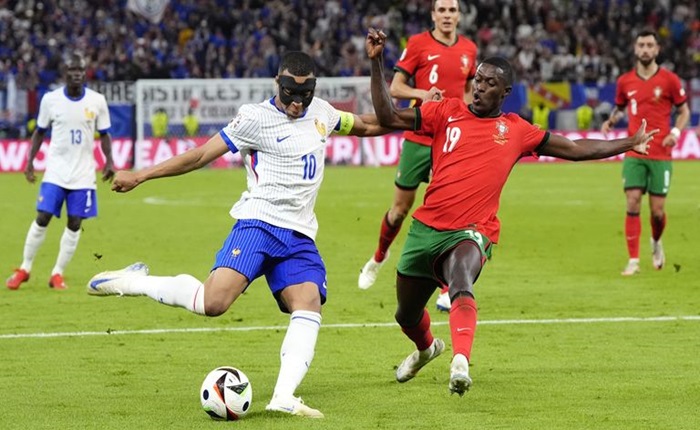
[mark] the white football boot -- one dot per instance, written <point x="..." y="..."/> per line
<point x="116" y="282"/>
<point x="443" y="302"/>
<point x="658" y="258"/>
<point x="632" y="267"/>
<point x="293" y="406"/>
<point x="459" y="375"/>
<point x="417" y="359"/>
<point x="370" y="271"/>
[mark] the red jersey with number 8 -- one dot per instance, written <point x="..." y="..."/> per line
<point x="433" y="64"/>
<point x="472" y="159"/>
<point x="651" y="99"/>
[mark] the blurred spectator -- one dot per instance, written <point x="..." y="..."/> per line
<point x="191" y="123"/>
<point x="159" y="123"/>
<point x="540" y="116"/>
<point x="584" y="116"/>
<point x="547" y="40"/>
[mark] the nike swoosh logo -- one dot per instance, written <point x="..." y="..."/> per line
<point x="432" y="57"/>
<point x="461" y="329"/>
<point x="631" y="93"/>
<point x="279" y="139"/>
<point x="451" y="119"/>
<point x="96" y="283"/>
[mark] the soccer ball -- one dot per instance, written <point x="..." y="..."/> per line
<point x="226" y="394"/>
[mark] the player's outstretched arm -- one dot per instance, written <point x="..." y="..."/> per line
<point x="593" y="149"/>
<point x="360" y="125"/>
<point x="388" y="116"/>
<point x="191" y="160"/>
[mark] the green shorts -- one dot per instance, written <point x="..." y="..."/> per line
<point x="653" y="176"/>
<point x="414" y="165"/>
<point x="424" y="246"/>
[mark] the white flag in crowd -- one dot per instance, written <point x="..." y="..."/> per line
<point x="151" y="9"/>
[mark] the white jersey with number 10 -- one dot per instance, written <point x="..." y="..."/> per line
<point x="284" y="159"/>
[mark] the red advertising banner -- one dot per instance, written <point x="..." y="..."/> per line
<point x="341" y="150"/>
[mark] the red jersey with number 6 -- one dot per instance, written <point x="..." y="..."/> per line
<point x="472" y="158"/>
<point x="651" y="99"/>
<point x="433" y="64"/>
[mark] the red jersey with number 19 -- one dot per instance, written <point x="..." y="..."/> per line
<point x="434" y="64"/>
<point x="650" y="99"/>
<point x="472" y="158"/>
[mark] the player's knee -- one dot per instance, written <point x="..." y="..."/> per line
<point x="43" y="219"/>
<point x="462" y="291"/>
<point x="74" y="224"/>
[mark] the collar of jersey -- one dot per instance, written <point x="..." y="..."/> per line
<point x="75" y="99"/>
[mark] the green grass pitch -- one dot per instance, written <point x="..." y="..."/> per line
<point x="564" y="341"/>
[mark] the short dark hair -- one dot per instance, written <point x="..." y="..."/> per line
<point x="647" y="32"/>
<point x="75" y="58"/>
<point x="503" y="64"/>
<point x="432" y="5"/>
<point x="297" y="63"/>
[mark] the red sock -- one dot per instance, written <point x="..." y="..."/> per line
<point x="463" y="325"/>
<point x="633" y="228"/>
<point x="657" y="226"/>
<point x="445" y="289"/>
<point x="420" y="334"/>
<point x="387" y="234"/>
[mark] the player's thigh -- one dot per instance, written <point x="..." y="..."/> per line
<point x="414" y="166"/>
<point x="223" y="286"/>
<point x="51" y="198"/>
<point x="660" y="172"/>
<point x="81" y="203"/>
<point x="426" y="247"/>
<point x="635" y="174"/>
<point x="298" y="279"/>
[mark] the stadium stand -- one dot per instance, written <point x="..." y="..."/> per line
<point x="547" y="40"/>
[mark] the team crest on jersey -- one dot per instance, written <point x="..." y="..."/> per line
<point x="321" y="128"/>
<point x="465" y="65"/>
<point x="90" y="114"/>
<point x="657" y="93"/>
<point x="236" y="252"/>
<point x="501" y="130"/>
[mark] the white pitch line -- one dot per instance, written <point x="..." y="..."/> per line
<point x="347" y="325"/>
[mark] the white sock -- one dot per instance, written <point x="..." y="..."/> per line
<point x="184" y="291"/>
<point x="69" y="243"/>
<point x="35" y="237"/>
<point x="297" y="351"/>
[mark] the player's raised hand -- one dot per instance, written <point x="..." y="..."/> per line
<point x="124" y="181"/>
<point x="642" y="138"/>
<point x="434" y="94"/>
<point x="374" y="44"/>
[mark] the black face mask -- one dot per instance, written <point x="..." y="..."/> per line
<point x="290" y="91"/>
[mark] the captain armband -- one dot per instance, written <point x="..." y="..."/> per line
<point x="347" y="121"/>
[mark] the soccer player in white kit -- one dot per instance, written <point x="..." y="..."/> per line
<point x="73" y="112"/>
<point x="282" y="141"/>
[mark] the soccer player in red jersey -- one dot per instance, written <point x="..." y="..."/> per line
<point x="649" y="92"/>
<point x="442" y="60"/>
<point x="474" y="149"/>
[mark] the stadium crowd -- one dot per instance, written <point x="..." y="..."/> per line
<point x="547" y="40"/>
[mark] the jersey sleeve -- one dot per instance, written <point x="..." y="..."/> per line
<point x="103" y="121"/>
<point x="43" y="120"/>
<point x="620" y="98"/>
<point x="334" y="117"/>
<point x="678" y="94"/>
<point x="533" y="138"/>
<point x="431" y="115"/>
<point x="408" y="63"/>
<point x="243" y="132"/>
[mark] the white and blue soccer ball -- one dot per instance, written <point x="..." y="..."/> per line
<point x="226" y="394"/>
